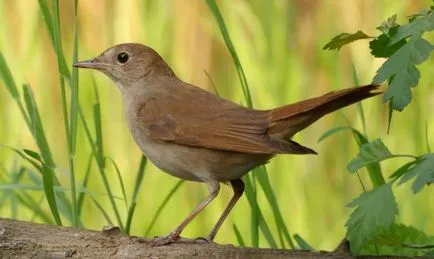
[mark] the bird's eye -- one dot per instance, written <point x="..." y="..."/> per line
<point x="123" y="57"/>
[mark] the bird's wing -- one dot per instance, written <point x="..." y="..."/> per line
<point x="214" y="123"/>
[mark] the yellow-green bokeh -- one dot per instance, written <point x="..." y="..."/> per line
<point x="280" y="46"/>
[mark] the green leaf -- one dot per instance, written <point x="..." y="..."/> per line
<point x="32" y="154"/>
<point x="399" y="91"/>
<point x="345" y="38"/>
<point x="418" y="25"/>
<point x="400" y="67"/>
<point x="372" y="152"/>
<point x="31" y="161"/>
<point x="380" y="47"/>
<point x="429" y="254"/>
<point x="423" y="170"/>
<point x="375" y="210"/>
<point x="422" y="13"/>
<point x="402" y="170"/>
<point x="414" y="52"/>
<point x="399" y="240"/>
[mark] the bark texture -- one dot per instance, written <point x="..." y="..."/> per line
<point x="20" y="239"/>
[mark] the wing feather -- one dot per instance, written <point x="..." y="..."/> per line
<point x="211" y="122"/>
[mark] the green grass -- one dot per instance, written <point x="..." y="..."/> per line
<point x="81" y="169"/>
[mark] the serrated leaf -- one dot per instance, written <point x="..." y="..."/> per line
<point x="388" y="240"/>
<point x="399" y="90"/>
<point x="414" y="52"/>
<point x="381" y="49"/>
<point x="345" y="38"/>
<point x="401" y="66"/>
<point x="372" y="152"/>
<point x="375" y="210"/>
<point x="412" y="17"/>
<point x="387" y="25"/>
<point x="416" y="27"/>
<point x="423" y="170"/>
<point x="400" y="240"/>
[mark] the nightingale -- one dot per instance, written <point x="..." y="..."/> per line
<point x="197" y="136"/>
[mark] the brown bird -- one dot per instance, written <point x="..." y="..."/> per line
<point x="195" y="135"/>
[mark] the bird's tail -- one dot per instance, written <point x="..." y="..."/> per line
<point x="287" y="120"/>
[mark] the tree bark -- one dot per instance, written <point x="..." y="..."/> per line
<point x="20" y="239"/>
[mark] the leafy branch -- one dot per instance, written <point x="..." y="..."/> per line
<point x="372" y="227"/>
<point x="403" y="46"/>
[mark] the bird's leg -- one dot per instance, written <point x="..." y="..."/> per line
<point x="238" y="187"/>
<point x="213" y="188"/>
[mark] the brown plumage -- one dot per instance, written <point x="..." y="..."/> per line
<point x="195" y="135"/>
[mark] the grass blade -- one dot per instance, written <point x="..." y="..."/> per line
<point x="250" y="191"/>
<point x="359" y="104"/>
<point x="34" y="206"/>
<point x="48" y="164"/>
<point x="138" y="182"/>
<point x="121" y="182"/>
<point x="63" y="68"/>
<point x="302" y="243"/>
<point x="250" y="181"/>
<point x="212" y="5"/>
<point x="6" y="74"/>
<point x="104" y="213"/>
<point x="260" y="222"/>
<point x="45" y="12"/>
<point x="98" y="152"/>
<point x="428" y="148"/>
<point x="162" y="205"/>
<point x="73" y="122"/>
<point x="271" y="198"/>
<point x="240" y="239"/>
<point x="80" y="200"/>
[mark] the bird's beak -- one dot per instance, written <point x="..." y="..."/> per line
<point x="91" y="63"/>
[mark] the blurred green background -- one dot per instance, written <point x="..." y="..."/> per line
<point x="280" y="46"/>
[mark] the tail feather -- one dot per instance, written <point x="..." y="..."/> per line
<point x="287" y="120"/>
